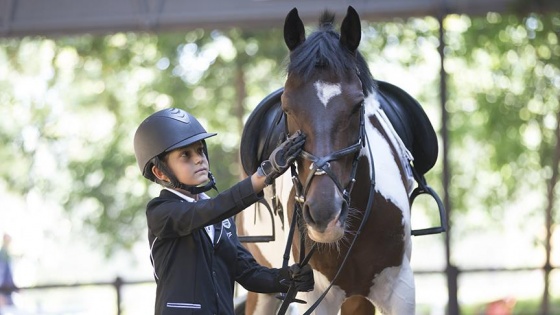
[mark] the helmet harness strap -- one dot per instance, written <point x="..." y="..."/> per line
<point x="175" y="183"/>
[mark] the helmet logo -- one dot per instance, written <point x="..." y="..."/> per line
<point x="178" y="114"/>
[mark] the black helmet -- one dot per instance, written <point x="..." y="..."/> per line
<point x="165" y="131"/>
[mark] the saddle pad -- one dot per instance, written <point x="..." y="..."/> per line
<point x="265" y="128"/>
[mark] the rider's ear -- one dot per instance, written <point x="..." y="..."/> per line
<point x="351" y="30"/>
<point x="294" y="31"/>
<point x="159" y="174"/>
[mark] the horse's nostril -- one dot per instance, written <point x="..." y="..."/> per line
<point x="307" y="216"/>
<point x="343" y="211"/>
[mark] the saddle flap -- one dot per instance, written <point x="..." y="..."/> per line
<point x="411" y="124"/>
<point x="264" y="130"/>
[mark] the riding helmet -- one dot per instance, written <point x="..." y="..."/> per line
<point x="164" y="131"/>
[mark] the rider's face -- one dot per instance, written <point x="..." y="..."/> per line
<point x="189" y="164"/>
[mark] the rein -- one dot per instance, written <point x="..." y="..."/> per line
<point x="320" y="166"/>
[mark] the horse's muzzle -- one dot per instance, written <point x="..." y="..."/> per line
<point x="325" y="217"/>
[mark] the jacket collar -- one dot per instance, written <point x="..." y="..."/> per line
<point x="187" y="198"/>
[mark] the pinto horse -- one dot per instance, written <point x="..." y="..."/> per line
<point x="352" y="184"/>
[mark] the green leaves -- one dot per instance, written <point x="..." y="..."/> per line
<point x="503" y="105"/>
<point x="74" y="104"/>
<point x="71" y="105"/>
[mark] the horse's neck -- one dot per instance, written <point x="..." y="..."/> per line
<point x="384" y="127"/>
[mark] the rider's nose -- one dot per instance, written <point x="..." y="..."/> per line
<point x="199" y="158"/>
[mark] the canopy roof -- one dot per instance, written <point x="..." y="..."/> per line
<point x="58" y="17"/>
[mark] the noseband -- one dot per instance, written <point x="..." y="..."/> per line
<point x="321" y="166"/>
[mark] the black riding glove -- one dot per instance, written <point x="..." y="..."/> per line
<point x="282" y="157"/>
<point x="300" y="277"/>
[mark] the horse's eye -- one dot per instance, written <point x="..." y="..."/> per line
<point x="287" y="111"/>
<point x="357" y="107"/>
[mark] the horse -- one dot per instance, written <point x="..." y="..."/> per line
<point x="367" y="143"/>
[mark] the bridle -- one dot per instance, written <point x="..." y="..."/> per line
<point x="321" y="166"/>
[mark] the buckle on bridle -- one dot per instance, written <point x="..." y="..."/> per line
<point x="319" y="171"/>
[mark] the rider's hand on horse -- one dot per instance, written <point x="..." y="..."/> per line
<point x="300" y="277"/>
<point x="282" y="157"/>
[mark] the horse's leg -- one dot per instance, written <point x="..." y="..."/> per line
<point x="403" y="299"/>
<point x="261" y="304"/>
<point x="330" y="305"/>
<point x="394" y="290"/>
<point x="357" y="305"/>
<point x="251" y="303"/>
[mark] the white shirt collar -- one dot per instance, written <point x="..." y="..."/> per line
<point x="187" y="198"/>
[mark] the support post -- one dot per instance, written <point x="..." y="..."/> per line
<point x="452" y="271"/>
<point x="118" y="288"/>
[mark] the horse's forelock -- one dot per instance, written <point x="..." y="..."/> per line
<point x="326" y="21"/>
<point x="321" y="50"/>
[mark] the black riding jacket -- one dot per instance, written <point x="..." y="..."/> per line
<point x="194" y="275"/>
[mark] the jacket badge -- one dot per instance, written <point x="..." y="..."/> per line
<point x="226" y="224"/>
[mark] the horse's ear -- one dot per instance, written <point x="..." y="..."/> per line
<point x="351" y="30"/>
<point x="294" y="31"/>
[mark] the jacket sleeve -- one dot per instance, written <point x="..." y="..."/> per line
<point x="255" y="277"/>
<point x="174" y="217"/>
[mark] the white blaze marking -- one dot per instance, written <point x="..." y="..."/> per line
<point x="326" y="91"/>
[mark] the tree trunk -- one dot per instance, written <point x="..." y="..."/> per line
<point x="549" y="219"/>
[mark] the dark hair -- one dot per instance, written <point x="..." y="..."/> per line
<point x="160" y="162"/>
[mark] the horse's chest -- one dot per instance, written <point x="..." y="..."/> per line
<point x="381" y="243"/>
<point x="372" y="254"/>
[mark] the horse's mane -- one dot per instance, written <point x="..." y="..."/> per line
<point x="322" y="50"/>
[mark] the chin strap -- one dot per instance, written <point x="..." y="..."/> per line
<point x="195" y="190"/>
<point x="174" y="182"/>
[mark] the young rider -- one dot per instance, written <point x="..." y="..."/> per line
<point x="195" y="252"/>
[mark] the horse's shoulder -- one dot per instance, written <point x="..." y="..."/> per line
<point x="411" y="123"/>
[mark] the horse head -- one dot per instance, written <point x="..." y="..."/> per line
<point x="323" y="97"/>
